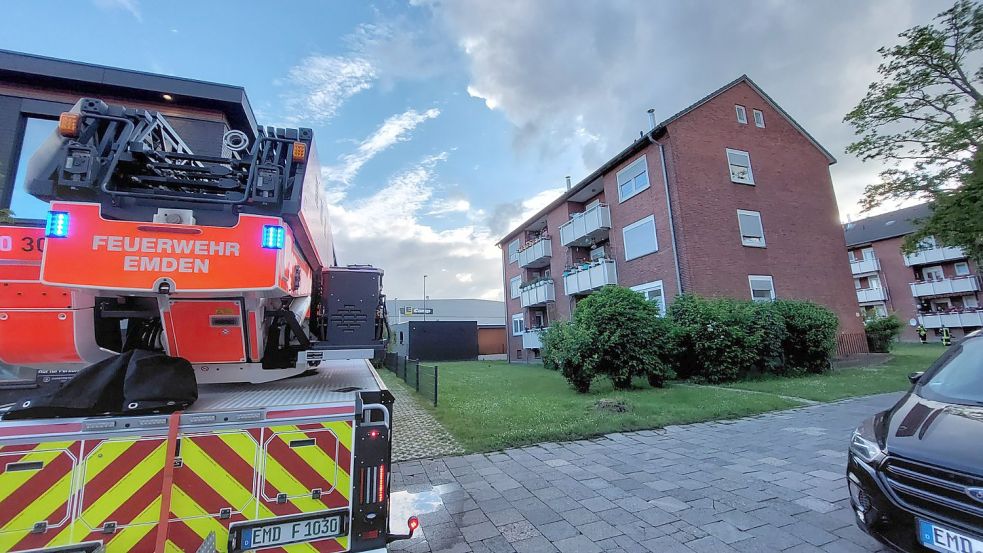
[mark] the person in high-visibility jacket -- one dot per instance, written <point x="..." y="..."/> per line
<point x="922" y="333"/>
<point x="946" y="337"/>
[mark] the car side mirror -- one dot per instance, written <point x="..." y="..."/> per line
<point x="915" y="377"/>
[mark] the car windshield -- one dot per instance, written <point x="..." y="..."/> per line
<point x="957" y="376"/>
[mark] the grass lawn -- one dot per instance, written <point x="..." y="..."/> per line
<point x="860" y="381"/>
<point x="489" y="405"/>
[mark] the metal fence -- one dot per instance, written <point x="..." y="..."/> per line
<point x="851" y="344"/>
<point x="423" y="378"/>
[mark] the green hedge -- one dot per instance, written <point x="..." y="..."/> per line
<point x="618" y="334"/>
<point x="881" y="332"/>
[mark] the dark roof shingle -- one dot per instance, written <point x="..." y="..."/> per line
<point x="885" y="225"/>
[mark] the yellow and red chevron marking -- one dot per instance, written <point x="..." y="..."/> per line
<point x="218" y="471"/>
<point x="120" y="482"/>
<point x="295" y="471"/>
<point x="36" y="487"/>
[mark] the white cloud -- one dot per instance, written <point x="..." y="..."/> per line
<point x="387" y="229"/>
<point x="131" y="6"/>
<point x="578" y="76"/>
<point x="324" y="83"/>
<point x="393" y="130"/>
<point x="447" y="206"/>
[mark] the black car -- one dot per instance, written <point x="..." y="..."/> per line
<point x="915" y="471"/>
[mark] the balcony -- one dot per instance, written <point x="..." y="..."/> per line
<point x="537" y="293"/>
<point x="586" y="278"/>
<point x="865" y="265"/>
<point x="946" y="286"/>
<point x="536" y="254"/>
<point x="965" y="319"/>
<point x="933" y="255"/>
<point x="583" y="229"/>
<point x="867" y="295"/>
<point x="531" y="339"/>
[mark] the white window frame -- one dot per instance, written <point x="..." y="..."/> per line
<point x="771" y="281"/>
<point x="634" y="174"/>
<point x="751" y="244"/>
<point x="652" y="286"/>
<point x="933" y="270"/>
<point x="636" y="224"/>
<point x="741" y="114"/>
<point x="967" y="300"/>
<point x="521" y="319"/>
<point x="750" y="172"/>
<point x="514" y="255"/>
<point x="759" y="118"/>
<point x="514" y="284"/>
<point x="957" y="265"/>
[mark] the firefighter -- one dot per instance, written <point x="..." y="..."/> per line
<point x="922" y="333"/>
<point x="946" y="337"/>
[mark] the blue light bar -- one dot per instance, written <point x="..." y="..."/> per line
<point x="56" y="225"/>
<point x="273" y="236"/>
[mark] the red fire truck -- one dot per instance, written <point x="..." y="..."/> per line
<point x="227" y="262"/>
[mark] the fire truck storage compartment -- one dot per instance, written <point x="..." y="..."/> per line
<point x="350" y="299"/>
<point x="206" y="331"/>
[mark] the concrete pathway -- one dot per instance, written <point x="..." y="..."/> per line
<point x="416" y="433"/>
<point x="773" y="482"/>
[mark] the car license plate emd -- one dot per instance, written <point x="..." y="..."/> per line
<point x="307" y="527"/>
<point x="939" y="538"/>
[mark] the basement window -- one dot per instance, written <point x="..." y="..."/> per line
<point x="762" y="287"/>
<point x="740" y="166"/>
<point x="752" y="233"/>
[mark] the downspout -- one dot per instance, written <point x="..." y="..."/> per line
<point x="672" y="223"/>
<point x="508" y="316"/>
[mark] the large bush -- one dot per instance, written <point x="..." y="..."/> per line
<point x="724" y="339"/>
<point x="810" y="336"/>
<point x="568" y="349"/>
<point x="628" y="334"/>
<point x="881" y="332"/>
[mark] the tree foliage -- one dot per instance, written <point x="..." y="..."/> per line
<point x="922" y="117"/>
<point x="882" y="331"/>
<point x="6" y="216"/>
<point x="568" y="349"/>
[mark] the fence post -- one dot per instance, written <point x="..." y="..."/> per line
<point x="435" y="373"/>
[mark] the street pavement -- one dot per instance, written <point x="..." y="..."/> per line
<point x="774" y="482"/>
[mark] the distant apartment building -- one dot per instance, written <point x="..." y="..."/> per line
<point x="729" y="197"/>
<point x="935" y="286"/>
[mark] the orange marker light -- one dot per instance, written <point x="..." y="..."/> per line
<point x="299" y="151"/>
<point x="68" y="124"/>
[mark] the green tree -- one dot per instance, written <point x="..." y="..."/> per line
<point x="6" y="216"/>
<point x="922" y="119"/>
<point x="628" y="335"/>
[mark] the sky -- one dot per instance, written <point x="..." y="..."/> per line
<point x="442" y="124"/>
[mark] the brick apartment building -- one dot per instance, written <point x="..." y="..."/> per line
<point x="729" y="197"/>
<point x="935" y="286"/>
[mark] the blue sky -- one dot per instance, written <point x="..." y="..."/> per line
<point x="442" y="123"/>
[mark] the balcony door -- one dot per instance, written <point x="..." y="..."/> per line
<point x="933" y="273"/>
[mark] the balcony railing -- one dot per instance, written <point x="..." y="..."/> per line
<point x="531" y="339"/>
<point x="946" y="286"/>
<point x="867" y="295"/>
<point x="537" y="254"/>
<point x="866" y="265"/>
<point x="933" y="255"/>
<point x="586" y="278"/>
<point x="538" y="293"/>
<point x="964" y="319"/>
<point x="585" y="228"/>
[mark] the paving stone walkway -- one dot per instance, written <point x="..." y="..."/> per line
<point x="416" y="433"/>
<point x="774" y="482"/>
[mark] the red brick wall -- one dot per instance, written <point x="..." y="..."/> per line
<point x="895" y="277"/>
<point x="805" y="251"/>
